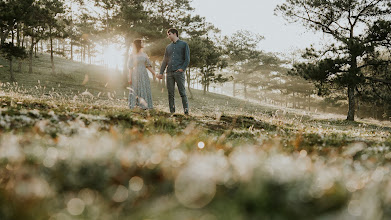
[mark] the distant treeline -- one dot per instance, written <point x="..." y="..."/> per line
<point x="352" y="72"/>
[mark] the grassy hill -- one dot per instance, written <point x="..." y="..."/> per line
<point x="71" y="149"/>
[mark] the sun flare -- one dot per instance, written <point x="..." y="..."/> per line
<point x="113" y="56"/>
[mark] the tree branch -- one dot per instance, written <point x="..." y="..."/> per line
<point x="326" y="29"/>
<point x="383" y="62"/>
<point x="378" y="80"/>
<point x="373" y="3"/>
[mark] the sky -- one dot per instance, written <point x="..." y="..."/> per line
<point x="258" y="17"/>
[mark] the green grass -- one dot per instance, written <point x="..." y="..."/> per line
<point x="65" y="154"/>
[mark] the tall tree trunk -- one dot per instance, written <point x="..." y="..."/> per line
<point x="84" y="53"/>
<point x="353" y="72"/>
<point x="234" y="88"/>
<point x="31" y="56"/>
<point x="19" y="42"/>
<point x="71" y="49"/>
<point x="4" y="35"/>
<point x="351" y="100"/>
<point x="12" y="37"/>
<point x="20" y="64"/>
<point x="18" y="35"/>
<point x="12" y="78"/>
<point x="204" y="82"/>
<point x="63" y="47"/>
<point x="188" y="82"/>
<point x="23" y="37"/>
<point x="1" y="36"/>
<point x="36" y="50"/>
<point x="352" y="76"/>
<point x="89" y="53"/>
<point x="51" y="51"/>
<point x="286" y="101"/>
<point x="245" y="89"/>
<point x="81" y="53"/>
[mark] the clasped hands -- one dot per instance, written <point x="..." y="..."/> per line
<point x="160" y="76"/>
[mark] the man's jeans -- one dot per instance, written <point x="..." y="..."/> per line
<point x="179" y="79"/>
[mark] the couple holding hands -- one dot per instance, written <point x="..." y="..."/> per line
<point x="176" y="59"/>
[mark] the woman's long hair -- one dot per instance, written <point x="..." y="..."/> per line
<point x="138" y="45"/>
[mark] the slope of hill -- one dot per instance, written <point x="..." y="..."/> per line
<point x="71" y="149"/>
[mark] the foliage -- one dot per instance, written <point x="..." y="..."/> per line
<point x="250" y="65"/>
<point x="9" y="51"/>
<point x="360" y="30"/>
<point x="241" y="48"/>
<point x="208" y="60"/>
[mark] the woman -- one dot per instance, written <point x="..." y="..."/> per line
<point x="140" y="94"/>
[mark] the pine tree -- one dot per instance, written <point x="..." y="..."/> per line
<point x="361" y="31"/>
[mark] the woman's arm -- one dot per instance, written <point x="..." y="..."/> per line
<point x="130" y="76"/>
<point x="152" y="71"/>
<point x="130" y="68"/>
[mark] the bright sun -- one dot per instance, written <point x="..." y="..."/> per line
<point x="113" y="56"/>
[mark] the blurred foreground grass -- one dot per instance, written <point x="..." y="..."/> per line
<point x="71" y="149"/>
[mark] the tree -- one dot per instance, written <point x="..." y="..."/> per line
<point x="360" y="29"/>
<point x="108" y="6"/>
<point x="73" y="10"/>
<point x="9" y="51"/>
<point x="12" y="15"/>
<point x="131" y="21"/>
<point x="85" y="35"/>
<point x="4" y="18"/>
<point x="198" y="30"/>
<point x="55" y="28"/>
<point x="211" y="60"/>
<point x="197" y="50"/>
<point x="243" y="55"/>
<point x="35" y="27"/>
<point x="169" y="13"/>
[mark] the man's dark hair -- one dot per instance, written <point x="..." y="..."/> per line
<point x="173" y="31"/>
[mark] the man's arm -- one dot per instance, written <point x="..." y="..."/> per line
<point x="164" y="63"/>
<point x="187" y="57"/>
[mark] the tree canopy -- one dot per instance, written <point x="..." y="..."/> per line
<point x="359" y="55"/>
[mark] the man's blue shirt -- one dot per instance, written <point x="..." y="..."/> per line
<point x="176" y="56"/>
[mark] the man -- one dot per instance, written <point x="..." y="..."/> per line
<point x="176" y="59"/>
